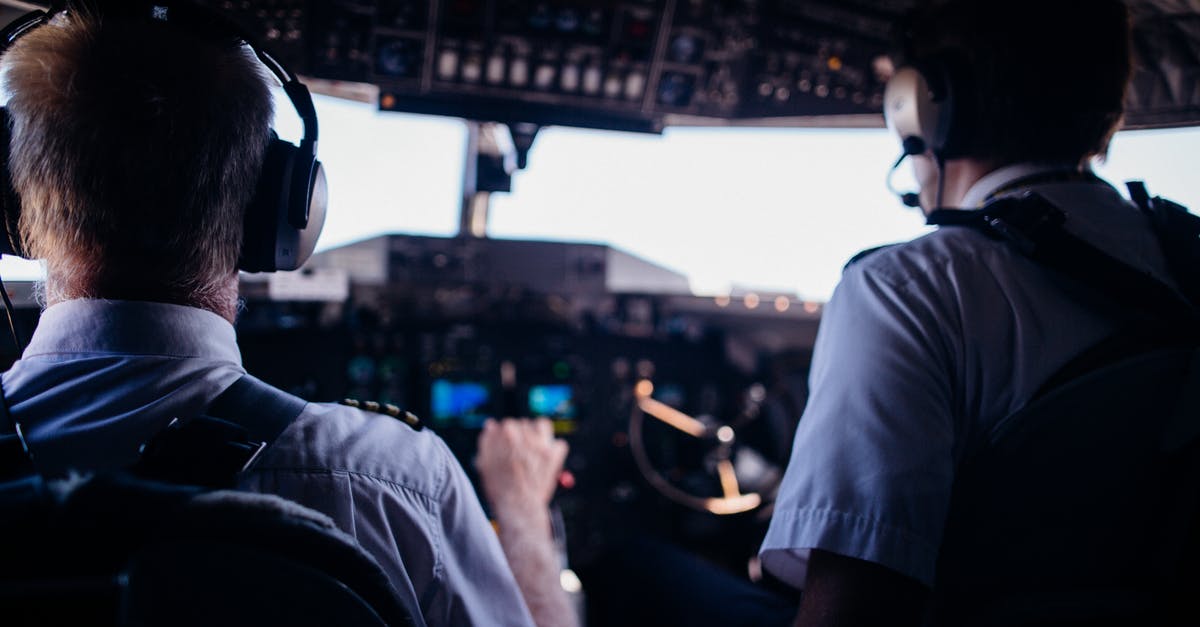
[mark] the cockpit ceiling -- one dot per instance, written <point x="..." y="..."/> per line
<point x="1166" y="87"/>
<point x="645" y="64"/>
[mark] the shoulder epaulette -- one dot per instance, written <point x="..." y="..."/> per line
<point x="864" y="254"/>
<point x="386" y="409"/>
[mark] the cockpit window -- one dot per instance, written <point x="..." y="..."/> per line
<point x="779" y="209"/>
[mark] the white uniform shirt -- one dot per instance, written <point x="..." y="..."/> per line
<point x="924" y="348"/>
<point x="101" y="377"/>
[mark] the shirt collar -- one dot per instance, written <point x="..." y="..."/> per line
<point x="997" y="180"/>
<point x="134" y="327"/>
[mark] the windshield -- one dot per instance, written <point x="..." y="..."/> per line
<point x="763" y="208"/>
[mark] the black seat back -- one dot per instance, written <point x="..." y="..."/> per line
<point x="123" y="551"/>
<point x="1082" y="508"/>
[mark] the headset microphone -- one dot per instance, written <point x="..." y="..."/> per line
<point x="913" y="145"/>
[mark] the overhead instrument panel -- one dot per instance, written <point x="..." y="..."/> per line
<point x="645" y="64"/>
<point x="637" y="64"/>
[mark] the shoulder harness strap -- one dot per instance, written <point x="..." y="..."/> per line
<point x="212" y="449"/>
<point x="1034" y="226"/>
<point x="16" y="460"/>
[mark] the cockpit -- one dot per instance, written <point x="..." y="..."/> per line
<point x="624" y="216"/>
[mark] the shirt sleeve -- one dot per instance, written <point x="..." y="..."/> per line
<point x="477" y="584"/>
<point x="872" y="465"/>
<point x="407" y="501"/>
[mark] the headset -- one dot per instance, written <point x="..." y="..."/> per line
<point x="285" y="217"/>
<point x="923" y="104"/>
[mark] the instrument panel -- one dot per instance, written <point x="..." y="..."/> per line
<point x="632" y="64"/>
<point x="678" y="409"/>
<point x="642" y="65"/>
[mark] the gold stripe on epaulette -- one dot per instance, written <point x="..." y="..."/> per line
<point x="387" y="409"/>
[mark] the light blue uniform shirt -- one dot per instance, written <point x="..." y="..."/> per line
<point x="924" y="349"/>
<point x="101" y="377"/>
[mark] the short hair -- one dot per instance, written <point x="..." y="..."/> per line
<point x="136" y="148"/>
<point x="1046" y="79"/>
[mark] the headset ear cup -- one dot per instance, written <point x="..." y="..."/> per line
<point x="318" y="202"/>
<point x="911" y="108"/>
<point x="10" y="201"/>
<point x="268" y="211"/>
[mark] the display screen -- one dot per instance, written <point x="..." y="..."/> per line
<point x="459" y="403"/>
<point x="671" y="394"/>
<point x="552" y="401"/>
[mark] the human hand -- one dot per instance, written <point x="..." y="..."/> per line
<point x="519" y="463"/>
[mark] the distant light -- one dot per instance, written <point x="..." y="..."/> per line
<point x="570" y="581"/>
<point x="725" y="434"/>
<point x="758" y="393"/>
<point x="812" y="307"/>
<point x="835" y="64"/>
<point x="782" y="303"/>
<point x="754" y="569"/>
<point x="751" y="300"/>
<point x="722" y="301"/>
<point x="884" y="68"/>
<point x="643" y="389"/>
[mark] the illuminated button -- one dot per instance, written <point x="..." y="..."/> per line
<point x="472" y="69"/>
<point x="612" y="86"/>
<point x="495" y="69"/>
<point x="591" y="80"/>
<point x="835" y="64"/>
<point x="518" y="72"/>
<point x="544" y="77"/>
<point x="448" y="64"/>
<point x="635" y="85"/>
<point x="569" y="80"/>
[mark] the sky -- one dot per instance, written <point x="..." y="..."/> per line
<point x="770" y="209"/>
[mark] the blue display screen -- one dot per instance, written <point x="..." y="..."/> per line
<point x="461" y="402"/>
<point x="552" y="401"/>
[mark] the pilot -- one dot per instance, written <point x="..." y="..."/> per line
<point x="926" y="345"/>
<point x="136" y="148"/>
